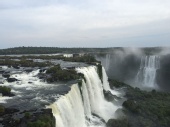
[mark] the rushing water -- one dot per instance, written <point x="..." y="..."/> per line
<point x="82" y="105"/>
<point x="30" y="91"/>
<point x="85" y="105"/>
<point x="146" y="75"/>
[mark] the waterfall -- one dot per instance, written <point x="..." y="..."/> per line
<point x="147" y="72"/>
<point x="85" y="105"/>
<point x="68" y="110"/>
<point x="107" y="62"/>
<point x="106" y="85"/>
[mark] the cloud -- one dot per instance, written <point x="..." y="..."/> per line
<point x="93" y="22"/>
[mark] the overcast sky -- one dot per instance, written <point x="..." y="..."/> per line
<point x="84" y="23"/>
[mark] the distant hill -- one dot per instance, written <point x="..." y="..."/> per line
<point x="51" y="50"/>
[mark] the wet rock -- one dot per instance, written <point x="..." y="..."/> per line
<point x="1" y="72"/>
<point x="42" y="76"/>
<point x="12" y="79"/>
<point x="42" y="70"/>
<point x="6" y="75"/>
<point x="16" y="67"/>
<point x="70" y="67"/>
<point x="29" y="70"/>
<point x="109" y="96"/>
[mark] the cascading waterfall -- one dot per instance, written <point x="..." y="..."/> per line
<point x="107" y="61"/>
<point x="85" y="105"/>
<point x="68" y="110"/>
<point x="106" y="85"/>
<point x="147" y="72"/>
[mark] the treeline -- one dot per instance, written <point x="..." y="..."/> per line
<point x="52" y="50"/>
<point x="48" y="50"/>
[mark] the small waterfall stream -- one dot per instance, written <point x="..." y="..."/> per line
<point x="85" y="105"/>
<point x="147" y="72"/>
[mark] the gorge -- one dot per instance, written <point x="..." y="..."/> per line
<point x="50" y="90"/>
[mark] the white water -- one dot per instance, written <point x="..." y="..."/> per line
<point x="76" y="108"/>
<point x="106" y="85"/>
<point x="68" y="110"/>
<point x="147" y="73"/>
<point x="29" y="90"/>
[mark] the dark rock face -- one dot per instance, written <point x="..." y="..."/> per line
<point x="163" y="74"/>
<point x="109" y="96"/>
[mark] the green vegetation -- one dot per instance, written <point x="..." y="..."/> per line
<point x="49" y="50"/>
<point x="43" y="57"/>
<point x="27" y="115"/>
<point x="52" y="50"/>
<point x="58" y="74"/>
<point x="24" y="63"/>
<point x="5" y="90"/>
<point x="118" y="123"/>
<point x="43" y="121"/>
<point x="118" y="84"/>
<point x="28" y="60"/>
<point x="2" y="109"/>
<point x="145" y="109"/>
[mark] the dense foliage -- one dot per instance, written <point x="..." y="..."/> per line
<point x="42" y="121"/>
<point x="24" y="63"/>
<point x="118" y="123"/>
<point x="48" y="50"/>
<point x="145" y="109"/>
<point x="25" y="60"/>
<point x="58" y="74"/>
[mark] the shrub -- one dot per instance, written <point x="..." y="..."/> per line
<point x="27" y="115"/>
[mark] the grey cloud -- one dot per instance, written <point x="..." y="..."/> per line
<point x="95" y="23"/>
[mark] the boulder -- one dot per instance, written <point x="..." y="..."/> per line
<point x="12" y="79"/>
<point x="29" y="70"/>
<point x="1" y="71"/>
<point x="42" y="70"/>
<point x="16" y="67"/>
<point x="6" y="75"/>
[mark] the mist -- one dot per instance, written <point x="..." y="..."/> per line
<point x="124" y="64"/>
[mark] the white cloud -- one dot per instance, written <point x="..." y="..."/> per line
<point x="81" y="21"/>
